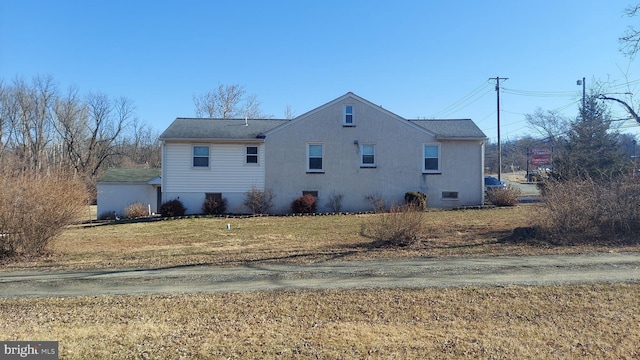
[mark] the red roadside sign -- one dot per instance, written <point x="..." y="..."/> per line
<point x="540" y="156"/>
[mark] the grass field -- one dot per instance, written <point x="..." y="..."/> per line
<point x="598" y="321"/>
<point x="577" y="321"/>
<point x="286" y="239"/>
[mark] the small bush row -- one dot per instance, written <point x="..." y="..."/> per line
<point x="260" y="202"/>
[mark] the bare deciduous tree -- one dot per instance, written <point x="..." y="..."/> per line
<point x="42" y="130"/>
<point x="141" y="145"/>
<point x="107" y="119"/>
<point x="630" y="40"/>
<point x="251" y="108"/>
<point x="5" y="111"/>
<point x="91" y="131"/>
<point x="550" y="124"/>
<point x="289" y="113"/>
<point x="71" y="115"/>
<point x="27" y="119"/>
<point x="227" y="102"/>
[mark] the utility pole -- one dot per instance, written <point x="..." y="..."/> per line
<point x="497" y="79"/>
<point x="584" y="94"/>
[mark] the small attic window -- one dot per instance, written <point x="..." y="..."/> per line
<point x="348" y="119"/>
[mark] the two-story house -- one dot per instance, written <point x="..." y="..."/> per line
<point x="348" y="146"/>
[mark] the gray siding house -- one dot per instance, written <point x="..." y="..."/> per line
<point x="348" y="146"/>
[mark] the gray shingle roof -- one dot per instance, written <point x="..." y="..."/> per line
<point x="129" y="175"/>
<point x="452" y="129"/>
<point x="235" y="129"/>
<point x="229" y="129"/>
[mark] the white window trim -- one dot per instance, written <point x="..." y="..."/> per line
<point x="422" y="157"/>
<point x="344" y="116"/>
<point x="362" y="164"/>
<point x="321" y="170"/>
<point x="257" y="155"/>
<point x="193" y="156"/>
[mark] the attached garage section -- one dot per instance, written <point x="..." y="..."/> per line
<point x="119" y="188"/>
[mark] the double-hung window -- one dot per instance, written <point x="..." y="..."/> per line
<point x="314" y="158"/>
<point x="251" y="155"/>
<point x="200" y="156"/>
<point x="431" y="155"/>
<point x="367" y="155"/>
<point x="348" y="119"/>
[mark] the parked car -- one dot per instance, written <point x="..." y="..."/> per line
<point x="491" y="183"/>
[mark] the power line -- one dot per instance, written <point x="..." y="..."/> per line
<point x="540" y="93"/>
<point x="535" y="93"/>
<point x="465" y="101"/>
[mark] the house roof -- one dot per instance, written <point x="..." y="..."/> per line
<point x="252" y="129"/>
<point x="452" y="129"/>
<point x="223" y="129"/>
<point x="117" y="175"/>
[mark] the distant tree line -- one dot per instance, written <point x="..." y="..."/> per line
<point x="45" y="129"/>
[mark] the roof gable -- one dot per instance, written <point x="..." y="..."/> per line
<point x="456" y="129"/>
<point x="223" y="129"/>
<point x="354" y="97"/>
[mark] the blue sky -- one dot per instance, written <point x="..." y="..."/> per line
<point x="415" y="58"/>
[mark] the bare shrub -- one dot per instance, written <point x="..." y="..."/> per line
<point x="172" y="208"/>
<point x="214" y="206"/>
<point x="583" y="211"/>
<point x="401" y="226"/>
<point x="417" y="199"/>
<point x="507" y="196"/>
<point x="258" y="201"/>
<point x="305" y="204"/>
<point x="335" y="202"/>
<point x="108" y="215"/>
<point x="376" y="202"/>
<point x="34" y="208"/>
<point x="621" y="207"/>
<point x="136" y="210"/>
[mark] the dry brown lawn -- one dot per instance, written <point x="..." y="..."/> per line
<point x="287" y="240"/>
<point x="576" y="321"/>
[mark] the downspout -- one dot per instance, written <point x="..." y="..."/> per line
<point x="482" y="172"/>
<point x="162" y="175"/>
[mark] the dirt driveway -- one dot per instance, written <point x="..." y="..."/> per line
<point x="416" y="273"/>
